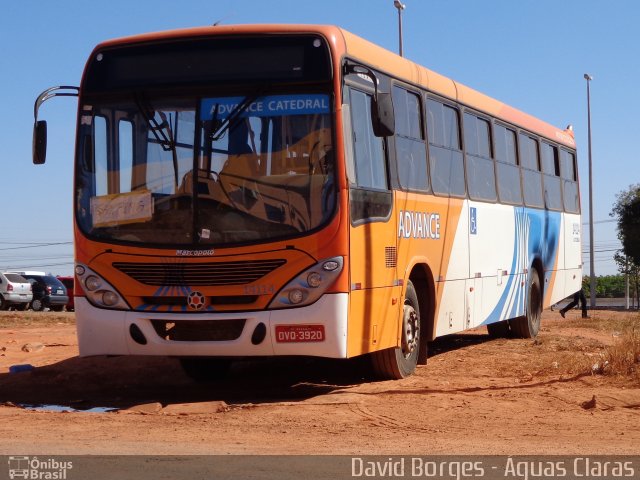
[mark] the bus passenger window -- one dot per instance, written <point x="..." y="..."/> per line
<point x="531" y="176"/>
<point x="507" y="165"/>
<point x="570" y="182"/>
<point x="370" y="165"/>
<point x="481" y="179"/>
<point x="568" y="161"/>
<point x="411" y="152"/>
<point x="445" y="157"/>
<point x="369" y="198"/>
<point x="550" y="160"/>
<point x="552" y="183"/>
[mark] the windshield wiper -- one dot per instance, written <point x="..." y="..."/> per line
<point x="220" y="127"/>
<point x="162" y="130"/>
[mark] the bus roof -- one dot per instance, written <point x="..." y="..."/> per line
<point x="346" y="44"/>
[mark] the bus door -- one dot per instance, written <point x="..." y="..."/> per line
<point x="455" y="290"/>
<point x="375" y="292"/>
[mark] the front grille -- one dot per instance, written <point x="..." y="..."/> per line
<point x="199" y="330"/>
<point x="199" y="274"/>
<point x="217" y="300"/>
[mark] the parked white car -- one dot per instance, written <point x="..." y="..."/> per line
<point x="15" y="291"/>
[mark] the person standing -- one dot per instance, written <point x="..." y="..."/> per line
<point x="578" y="297"/>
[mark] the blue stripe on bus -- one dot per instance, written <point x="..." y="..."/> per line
<point x="537" y="236"/>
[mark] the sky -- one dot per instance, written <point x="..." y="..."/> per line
<point x="530" y="54"/>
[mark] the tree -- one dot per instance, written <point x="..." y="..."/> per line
<point x="633" y="273"/>
<point x="626" y="209"/>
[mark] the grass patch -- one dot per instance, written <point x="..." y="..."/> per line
<point x="623" y="357"/>
<point x="15" y="319"/>
<point x="605" y="322"/>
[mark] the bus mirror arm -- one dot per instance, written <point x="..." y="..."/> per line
<point x="382" y="115"/>
<point x="40" y="126"/>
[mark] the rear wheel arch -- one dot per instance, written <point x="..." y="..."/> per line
<point x="528" y="326"/>
<point x="422" y="279"/>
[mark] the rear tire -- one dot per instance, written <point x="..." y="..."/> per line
<point x="205" y="369"/>
<point x="3" y="303"/>
<point x="529" y="325"/>
<point x="498" y="329"/>
<point x="400" y="362"/>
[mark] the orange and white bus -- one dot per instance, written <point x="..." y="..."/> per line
<point x="260" y="190"/>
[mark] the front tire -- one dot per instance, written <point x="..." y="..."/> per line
<point x="529" y="325"/>
<point x="400" y="362"/>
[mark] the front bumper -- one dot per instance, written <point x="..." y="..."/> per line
<point x="108" y="332"/>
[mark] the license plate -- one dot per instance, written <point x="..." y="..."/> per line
<point x="299" y="333"/>
<point x="59" y="292"/>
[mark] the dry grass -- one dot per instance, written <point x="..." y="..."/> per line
<point x="562" y="355"/>
<point x="605" y="322"/>
<point x="623" y="357"/>
<point x="13" y="319"/>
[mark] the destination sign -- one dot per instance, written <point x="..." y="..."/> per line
<point x="269" y="106"/>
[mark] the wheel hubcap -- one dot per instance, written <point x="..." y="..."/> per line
<point x="410" y="330"/>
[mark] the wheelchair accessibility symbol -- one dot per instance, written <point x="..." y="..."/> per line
<point x="473" y="221"/>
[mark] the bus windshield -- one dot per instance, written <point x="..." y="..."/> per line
<point x="204" y="170"/>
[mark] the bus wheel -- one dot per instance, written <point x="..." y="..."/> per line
<point x="205" y="369"/>
<point x="529" y="325"/>
<point x="498" y="329"/>
<point x="400" y="362"/>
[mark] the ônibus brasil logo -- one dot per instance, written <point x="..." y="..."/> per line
<point x="38" y="469"/>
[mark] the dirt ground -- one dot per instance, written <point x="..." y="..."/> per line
<point x="476" y="395"/>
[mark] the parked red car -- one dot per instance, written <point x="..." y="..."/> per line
<point x="68" y="282"/>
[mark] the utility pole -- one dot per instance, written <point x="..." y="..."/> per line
<point x="592" y="273"/>
<point x="400" y="6"/>
<point x="626" y="281"/>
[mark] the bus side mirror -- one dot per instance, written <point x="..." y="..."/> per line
<point x="40" y="142"/>
<point x="382" y="116"/>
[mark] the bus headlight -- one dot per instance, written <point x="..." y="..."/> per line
<point x="314" y="279"/>
<point x="296" y="296"/>
<point x="92" y="283"/>
<point x="109" y="298"/>
<point x="308" y="286"/>
<point x="98" y="291"/>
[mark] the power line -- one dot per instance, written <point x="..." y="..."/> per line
<point x="601" y="221"/>
<point x="36" y="245"/>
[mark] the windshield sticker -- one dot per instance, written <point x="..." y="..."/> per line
<point x="121" y="208"/>
<point x="271" y="106"/>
